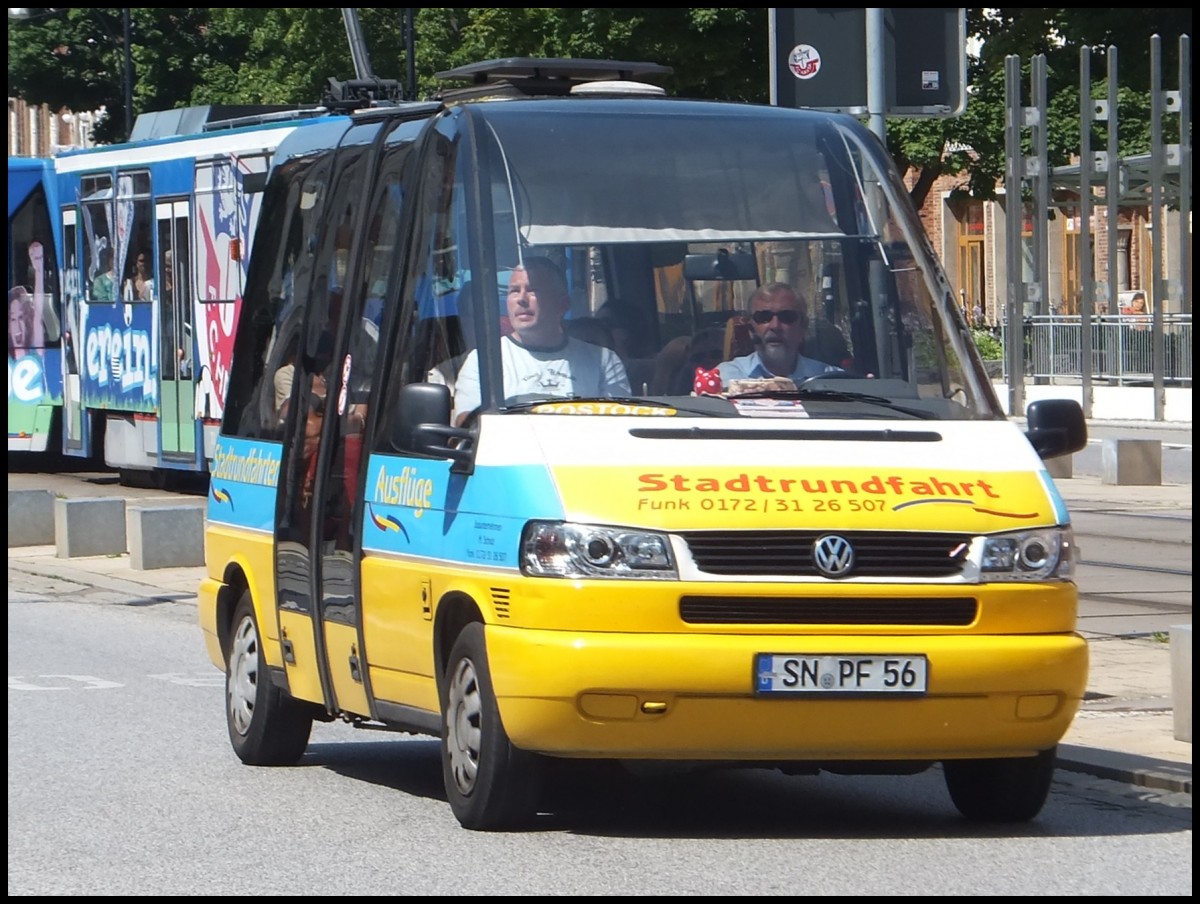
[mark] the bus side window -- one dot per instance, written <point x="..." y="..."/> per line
<point x="434" y="312"/>
<point x="269" y="334"/>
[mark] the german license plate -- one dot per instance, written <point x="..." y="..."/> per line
<point x="806" y="673"/>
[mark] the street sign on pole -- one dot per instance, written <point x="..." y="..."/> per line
<point x="819" y="60"/>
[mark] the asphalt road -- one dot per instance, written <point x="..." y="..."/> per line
<point x="122" y="782"/>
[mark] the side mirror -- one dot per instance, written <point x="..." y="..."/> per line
<point x="1055" y="427"/>
<point x="422" y="426"/>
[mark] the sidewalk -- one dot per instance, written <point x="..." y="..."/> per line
<point x="1125" y="729"/>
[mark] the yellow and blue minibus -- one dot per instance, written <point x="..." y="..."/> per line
<point x="868" y="569"/>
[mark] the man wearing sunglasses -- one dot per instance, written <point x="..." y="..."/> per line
<point x="778" y="322"/>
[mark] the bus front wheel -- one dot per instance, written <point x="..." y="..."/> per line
<point x="491" y="785"/>
<point x="267" y="727"/>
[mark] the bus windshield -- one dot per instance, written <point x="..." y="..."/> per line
<point x="677" y="233"/>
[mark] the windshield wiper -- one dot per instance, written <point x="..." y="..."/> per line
<point x="718" y="407"/>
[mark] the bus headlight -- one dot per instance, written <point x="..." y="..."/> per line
<point x="1029" y="555"/>
<point x="561" y="549"/>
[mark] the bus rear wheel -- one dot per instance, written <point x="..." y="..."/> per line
<point x="491" y="785"/>
<point x="267" y="727"/>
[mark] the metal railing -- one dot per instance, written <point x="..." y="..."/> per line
<point x="1122" y="348"/>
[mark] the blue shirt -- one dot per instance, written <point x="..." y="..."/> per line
<point x="750" y="367"/>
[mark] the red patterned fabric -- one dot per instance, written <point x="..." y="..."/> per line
<point x="707" y="382"/>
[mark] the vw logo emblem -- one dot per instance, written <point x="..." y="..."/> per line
<point x="833" y="556"/>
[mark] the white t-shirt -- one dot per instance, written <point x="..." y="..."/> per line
<point x="575" y="368"/>
<point x="446" y="373"/>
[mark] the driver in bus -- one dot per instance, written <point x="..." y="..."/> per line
<point x="778" y="324"/>
<point x="539" y="357"/>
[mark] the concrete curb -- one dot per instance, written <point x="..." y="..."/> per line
<point x="110" y="576"/>
<point x="1142" y="771"/>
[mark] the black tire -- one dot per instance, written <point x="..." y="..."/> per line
<point x="1001" y="790"/>
<point x="491" y="785"/>
<point x="267" y="727"/>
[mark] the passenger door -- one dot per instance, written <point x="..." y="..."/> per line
<point x="76" y="428"/>
<point x="314" y="554"/>
<point x="176" y="388"/>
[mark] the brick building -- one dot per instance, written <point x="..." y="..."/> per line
<point x="38" y="131"/>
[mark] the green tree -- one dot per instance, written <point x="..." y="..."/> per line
<point x="718" y="53"/>
<point x="69" y="58"/>
<point x="73" y="58"/>
<point x="972" y="145"/>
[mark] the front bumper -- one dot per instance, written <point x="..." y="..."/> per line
<point x="656" y="696"/>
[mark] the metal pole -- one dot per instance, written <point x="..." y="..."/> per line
<point x="1086" y="278"/>
<point x="1014" y="334"/>
<point x="1157" y="164"/>
<point x="410" y="52"/>
<point x="876" y="72"/>
<point x="128" y="72"/>
<point x="1041" y="184"/>
<point x="358" y="45"/>
<point x="1112" y="201"/>
<point x="1185" y="175"/>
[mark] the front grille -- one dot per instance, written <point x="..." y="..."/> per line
<point x="734" y="610"/>
<point x="789" y="553"/>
